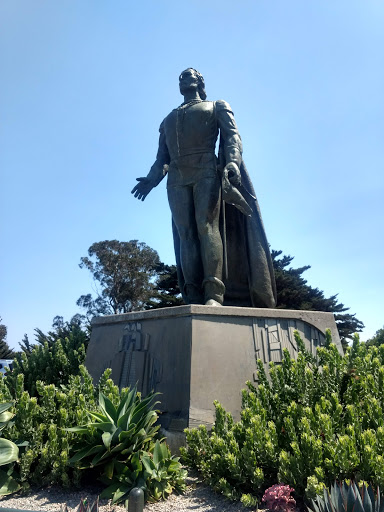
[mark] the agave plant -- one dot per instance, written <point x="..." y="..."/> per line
<point x="121" y="440"/>
<point x="84" y="506"/>
<point x="9" y="453"/>
<point x="115" y="433"/>
<point x="348" y="497"/>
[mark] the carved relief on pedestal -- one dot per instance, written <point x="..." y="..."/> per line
<point x="134" y="362"/>
<point x="272" y="335"/>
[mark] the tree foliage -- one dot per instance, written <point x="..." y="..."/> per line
<point x="62" y="329"/>
<point x="25" y="345"/>
<point x="55" y="357"/>
<point x="378" y="338"/>
<point x="5" y="351"/>
<point x="293" y="292"/>
<point x="166" y="291"/>
<point x="124" y="274"/>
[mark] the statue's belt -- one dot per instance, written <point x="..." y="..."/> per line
<point x="194" y="151"/>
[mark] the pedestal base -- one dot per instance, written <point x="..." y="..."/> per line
<point x="196" y="354"/>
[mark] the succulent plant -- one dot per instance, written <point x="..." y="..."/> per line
<point x="84" y="506"/>
<point x="278" y="498"/>
<point x="9" y="452"/>
<point x="163" y="473"/>
<point x="348" y="497"/>
<point x="120" y="431"/>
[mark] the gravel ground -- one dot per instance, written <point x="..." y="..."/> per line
<point x="197" y="498"/>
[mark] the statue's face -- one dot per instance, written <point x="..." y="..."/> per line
<point x="188" y="80"/>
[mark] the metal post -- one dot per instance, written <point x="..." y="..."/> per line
<point x="136" y="500"/>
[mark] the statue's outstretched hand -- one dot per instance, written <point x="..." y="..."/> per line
<point x="143" y="188"/>
<point x="233" y="173"/>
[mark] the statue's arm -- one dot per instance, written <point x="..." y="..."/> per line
<point x="157" y="171"/>
<point x="231" y="145"/>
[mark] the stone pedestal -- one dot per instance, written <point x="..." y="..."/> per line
<point x="196" y="354"/>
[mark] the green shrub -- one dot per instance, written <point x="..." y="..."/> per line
<point x="307" y="423"/>
<point x="119" y="439"/>
<point x="53" y="361"/>
<point x="41" y="422"/>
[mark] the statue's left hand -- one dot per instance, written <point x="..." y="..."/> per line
<point x="233" y="172"/>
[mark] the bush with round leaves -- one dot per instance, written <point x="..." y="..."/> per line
<point x="307" y="423"/>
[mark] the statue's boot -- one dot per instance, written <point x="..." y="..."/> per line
<point x="214" y="290"/>
<point x="193" y="293"/>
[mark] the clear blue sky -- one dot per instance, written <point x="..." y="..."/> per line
<point x="85" y="84"/>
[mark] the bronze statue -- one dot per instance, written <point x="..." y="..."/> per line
<point x="222" y="253"/>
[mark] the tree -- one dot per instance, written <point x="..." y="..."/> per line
<point x="5" y="351"/>
<point x="25" y="345"/>
<point x="167" y="291"/>
<point x="62" y="330"/>
<point x="378" y="338"/>
<point x="55" y="357"/>
<point x="124" y="274"/>
<point x="293" y="292"/>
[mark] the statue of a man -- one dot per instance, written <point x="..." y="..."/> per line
<point x="222" y="253"/>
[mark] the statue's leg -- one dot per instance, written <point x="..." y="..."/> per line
<point x="207" y="200"/>
<point x="183" y="213"/>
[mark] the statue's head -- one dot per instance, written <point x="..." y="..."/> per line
<point x="191" y="78"/>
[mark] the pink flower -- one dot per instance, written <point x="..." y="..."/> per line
<point x="278" y="498"/>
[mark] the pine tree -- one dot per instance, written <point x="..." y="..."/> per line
<point x="167" y="292"/>
<point x="25" y="345"/>
<point x="293" y="292"/>
<point x="62" y="330"/>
